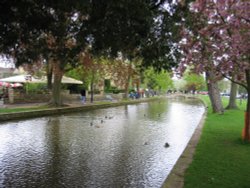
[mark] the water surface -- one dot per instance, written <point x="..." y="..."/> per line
<point x="113" y="147"/>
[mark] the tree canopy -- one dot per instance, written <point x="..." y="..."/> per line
<point x="219" y="38"/>
<point x="218" y="42"/>
<point x="32" y="30"/>
<point x="160" y="81"/>
<point x="194" y="82"/>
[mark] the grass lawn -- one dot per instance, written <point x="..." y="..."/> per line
<point x="21" y="109"/>
<point x="222" y="159"/>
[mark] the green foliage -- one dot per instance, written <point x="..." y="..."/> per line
<point x="22" y="109"/>
<point x="78" y="74"/>
<point x="91" y="73"/>
<point x="36" y="88"/>
<point x="224" y="85"/>
<point x="49" y="28"/>
<point x="242" y="90"/>
<point x="61" y="30"/>
<point x="221" y="158"/>
<point x="160" y="81"/>
<point x="159" y="49"/>
<point x="107" y="84"/>
<point x="194" y="81"/>
<point x="114" y="90"/>
<point x="179" y="84"/>
<point x="116" y="21"/>
<point x="41" y="29"/>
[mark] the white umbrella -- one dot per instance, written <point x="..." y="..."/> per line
<point x="30" y="79"/>
<point x="22" y="79"/>
<point x="68" y="80"/>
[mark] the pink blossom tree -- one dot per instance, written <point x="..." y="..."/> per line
<point x="219" y="43"/>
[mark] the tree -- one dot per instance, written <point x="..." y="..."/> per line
<point x="214" y="92"/>
<point x="223" y="32"/>
<point x="179" y="84"/>
<point x="122" y="71"/>
<point x="93" y="70"/>
<point x="32" y="31"/>
<point x="194" y="81"/>
<point x="233" y="94"/>
<point x="224" y="86"/>
<point x="121" y="26"/>
<point x="37" y="30"/>
<point x="160" y="50"/>
<point x="160" y="81"/>
<point x="197" y="54"/>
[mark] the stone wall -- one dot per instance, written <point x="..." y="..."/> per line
<point x="31" y="98"/>
<point x="20" y="98"/>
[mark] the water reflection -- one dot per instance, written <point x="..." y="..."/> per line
<point x="113" y="147"/>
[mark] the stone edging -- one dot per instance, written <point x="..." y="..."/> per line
<point x="176" y="177"/>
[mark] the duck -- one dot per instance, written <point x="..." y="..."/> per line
<point x="166" y="145"/>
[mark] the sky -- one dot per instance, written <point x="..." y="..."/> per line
<point x="6" y="63"/>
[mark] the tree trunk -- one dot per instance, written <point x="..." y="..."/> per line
<point x="233" y="93"/>
<point x="127" y="87"/>
<point x="214" y="93"/>
<point x="92" y="91"/>
<point x="246" y="129"/>
<point x="49" y="72"/>
<point x="92" y="86"/>
<point x="138" y="87"/>
<point x="56" y="89"/>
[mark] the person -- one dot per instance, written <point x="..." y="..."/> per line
<point x="83" y="96"/>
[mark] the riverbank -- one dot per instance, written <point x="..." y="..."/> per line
<point x="14" y="112"/>
<point x="111" y="138"/>
<point x="221" y="158"/>
<point x="36" y="110"/>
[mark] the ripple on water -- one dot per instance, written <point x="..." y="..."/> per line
<point x="66" y="151"/>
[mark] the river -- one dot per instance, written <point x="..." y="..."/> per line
<point x="114" y="147"/>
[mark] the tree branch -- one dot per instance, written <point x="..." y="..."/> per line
<point x="234" y="81"/>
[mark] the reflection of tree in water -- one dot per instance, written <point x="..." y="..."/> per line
<point x="186" y="100"/>
<point x="67" y="163"/>
<point x="54" y="152"/>
<point x="156" y="109"/>
<point x="126" y="111"/>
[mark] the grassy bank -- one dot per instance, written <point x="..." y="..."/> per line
<point x="221" y="159"/>
<point x="22" y="109"/>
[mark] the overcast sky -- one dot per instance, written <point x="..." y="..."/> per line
<point x="6" y="63"/>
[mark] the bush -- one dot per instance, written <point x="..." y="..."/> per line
<point x="38" y="88"/>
